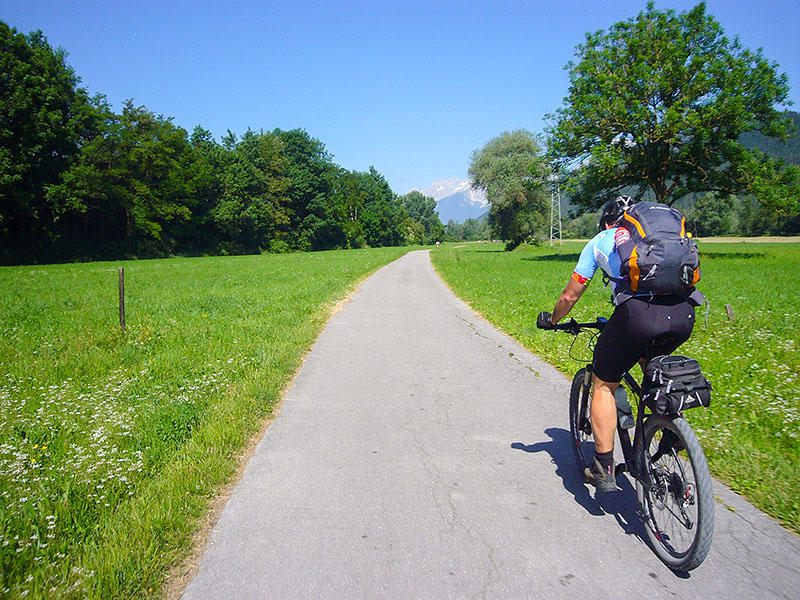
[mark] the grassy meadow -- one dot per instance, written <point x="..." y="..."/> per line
<point x="751" y="432"/>
<point x="112" y="443"/>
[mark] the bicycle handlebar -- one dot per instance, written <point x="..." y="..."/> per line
<point x="574" y="328"/>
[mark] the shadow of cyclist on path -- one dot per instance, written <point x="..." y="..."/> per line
<point x="621" y="504"/>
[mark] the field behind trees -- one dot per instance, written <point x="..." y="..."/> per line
<point x="751" y="432"/>
<point x="112" y="443"/>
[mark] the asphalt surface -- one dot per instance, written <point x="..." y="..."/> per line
<point x="420" y="453"/>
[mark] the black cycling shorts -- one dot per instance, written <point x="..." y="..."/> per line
<point x="634" y="325"/>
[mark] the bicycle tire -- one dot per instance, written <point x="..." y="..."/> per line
<point x="678" y="508"/>
<point x="581" y="430"/>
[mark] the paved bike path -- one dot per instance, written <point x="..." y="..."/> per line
<point x="420" y="453"/>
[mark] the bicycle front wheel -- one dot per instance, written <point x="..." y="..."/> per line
<point x="678" y="506"/>
<point x="580" y="426"/>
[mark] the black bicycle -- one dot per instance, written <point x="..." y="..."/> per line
<point x="673" y="485"/>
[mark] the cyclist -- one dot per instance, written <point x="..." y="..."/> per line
<point x="636" y="323"/>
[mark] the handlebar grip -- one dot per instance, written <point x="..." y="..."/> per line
<point x="570" y="326"/>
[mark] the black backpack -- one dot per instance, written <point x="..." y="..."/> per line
<point x="659" y="257"/>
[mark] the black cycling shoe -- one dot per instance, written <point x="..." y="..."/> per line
<point x="603" y="479"/>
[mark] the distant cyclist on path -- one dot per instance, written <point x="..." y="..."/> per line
<point x="637" y="321"/>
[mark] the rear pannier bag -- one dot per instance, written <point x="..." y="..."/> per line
<point x="675" y="383"/>
<point x="660" y="257"/>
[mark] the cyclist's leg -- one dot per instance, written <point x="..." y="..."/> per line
<point x="604" y="414"/>
<point x="614" y="353"/>
<point x="613" y="356"/>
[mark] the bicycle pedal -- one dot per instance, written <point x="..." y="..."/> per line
<point x="620" y="468"/>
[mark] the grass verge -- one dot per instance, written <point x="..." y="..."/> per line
<point x="112" y="444"/>
<point x="751" y="432"/>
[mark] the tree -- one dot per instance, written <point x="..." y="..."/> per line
<point x="711" y="215"/>
<point x="314" y="222"/>
<point x="657" y="104"/>
<point x="413" y="232"/>
<point x="135" y="175"/>
<point x="252" y="213"/>
<point x="755" y="220"/>
<point x="471" y="230"/>
<point x="349" y="199"/>
<point x="45" y="117"/>
<point x="476" y="229"/>
<point x="513" y="173"/>
<point x="582" y="226"/>
<point x="788" y="149"/>
<point x="422" y="210"/>
<point x="382" y="215"/>
<point x="206" y="167"/>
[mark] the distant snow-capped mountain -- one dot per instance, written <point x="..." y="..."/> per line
<point x="456" y="200"/>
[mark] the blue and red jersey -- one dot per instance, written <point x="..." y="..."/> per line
<point x="600" y="253"/>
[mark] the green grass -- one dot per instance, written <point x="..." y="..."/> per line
<point x="113" y="444"/>
<point x="751" y="432"/>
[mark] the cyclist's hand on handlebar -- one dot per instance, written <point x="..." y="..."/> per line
<point x="543" y="320"/>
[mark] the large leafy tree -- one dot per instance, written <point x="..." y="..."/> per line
<point x="512" y="171"/>
<point x="350" y="196"/>
<point x="135" y="176"/>
<point x="206" y="165"/>
<point x="711" y="215"/>
<point x="658" y="103"/>
<point x="45" y="117"/>
<point x="252" y="213"/>
<point x="421" y="210"/>
<point x="382" y="215"/>
<point x="315" y="223"/>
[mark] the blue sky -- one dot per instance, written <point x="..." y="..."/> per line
<point x="409" y="87"/>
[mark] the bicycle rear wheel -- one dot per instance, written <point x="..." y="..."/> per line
<point x="580" y="426"/>
<point x="678" y="507"/>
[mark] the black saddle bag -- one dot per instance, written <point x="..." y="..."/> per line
<point x="675" y="383"/>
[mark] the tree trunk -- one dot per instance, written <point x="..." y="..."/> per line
<point x="659" y="188"/>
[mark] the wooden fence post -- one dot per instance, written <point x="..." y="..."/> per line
<point x="122" y="298"/>
<point x="729" y="312"/>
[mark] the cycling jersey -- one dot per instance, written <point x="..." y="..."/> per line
<point x="599" y="253"/>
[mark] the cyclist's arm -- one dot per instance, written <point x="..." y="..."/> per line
<point x="571" y="294"/>
<point x="581" y="277"/>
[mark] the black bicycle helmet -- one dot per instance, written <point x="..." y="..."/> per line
<point x="613" y="211"/>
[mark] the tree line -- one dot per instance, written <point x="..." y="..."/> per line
<point x="707" y="215"/>
<point x="471" y="230"/>
<point x="79" y="181"/>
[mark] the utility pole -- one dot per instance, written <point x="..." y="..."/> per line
<point x="555" y="211"/>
